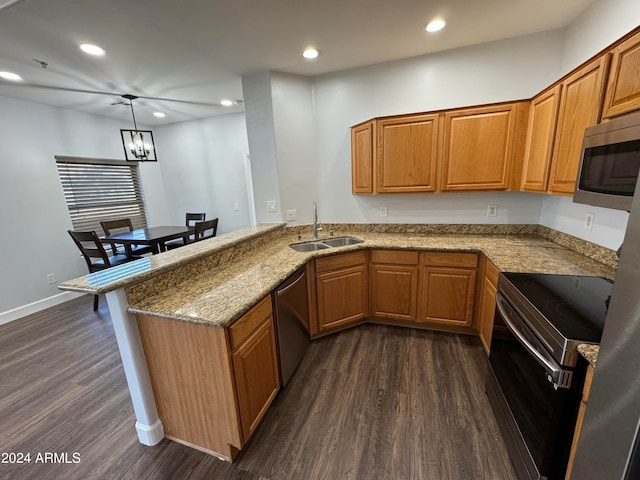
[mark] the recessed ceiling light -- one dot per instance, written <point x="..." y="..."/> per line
<point x="92" y="49"/>
<point x="310" y="53"/>
<point x="435" y="25"/>
<point x="14" y="77"/>
<point x="159" y="114"/>
<point x="226" y="103"/>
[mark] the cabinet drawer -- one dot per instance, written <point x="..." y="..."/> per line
<point x="448" y="259"/>
<point x="394" y="257"/>
<point x="491" y="272"/>
<point x="250" y="321"/>
<point x="336" y="262"/>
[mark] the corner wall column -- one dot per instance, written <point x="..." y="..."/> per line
<point x="148" y="424"/>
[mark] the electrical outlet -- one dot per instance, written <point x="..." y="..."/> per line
<point x="51" y="278"/>
<point x="271" y="206"/>
<point x="292" y="215"/>
<point x="236" y="207"/>
<point x="588" y="220"/>
<point x="384" y="211"/>
<point x="492" y="210"/>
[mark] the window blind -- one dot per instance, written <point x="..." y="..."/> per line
<point x="96" y="190"/>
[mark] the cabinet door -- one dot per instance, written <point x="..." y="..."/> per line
<point x="479" y="145"/>
<point x="487" y="304"/>
<point x="447" y="296"/>
<point x="623" y="90"/>
<point x="580" y="420"/>
<point x="255" y="367"/>
<point x="540" y="134"/>
<point x="394" y="291"/>
<point x="579" y="108"/>
<point x="342" y="297"/>
<point x="487" y="313"/>
<point x="362" y="150"/>
<point x="407" y="153"/>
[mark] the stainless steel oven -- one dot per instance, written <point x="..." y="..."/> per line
<point x="536" y="376"/>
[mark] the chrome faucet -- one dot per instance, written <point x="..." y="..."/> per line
<point x="317" y="227"/>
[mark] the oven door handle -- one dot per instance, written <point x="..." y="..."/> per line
<point x="553" y="369"/>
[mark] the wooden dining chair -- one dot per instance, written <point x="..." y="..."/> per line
<point x="190" y="220"/>
<point x="95" y="255"/>
<point x="123" y="225"/>
<point x="204" y="230"/>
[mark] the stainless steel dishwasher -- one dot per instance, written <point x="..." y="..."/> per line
<point x="292" y="322"/>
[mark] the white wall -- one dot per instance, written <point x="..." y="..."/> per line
<point x="292" y="99"/>
<point x="258" y="108"/>
<point x="599" y="26"/>
<point x="499" y="71"/>
<point x="33" y="215"/>
<point x="561" y="214"/>
<point x="203" y="171"/>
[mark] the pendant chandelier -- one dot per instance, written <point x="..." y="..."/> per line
<point x="138" y="144"/>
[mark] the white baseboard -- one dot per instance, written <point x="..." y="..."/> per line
<point x="23" y="311"/>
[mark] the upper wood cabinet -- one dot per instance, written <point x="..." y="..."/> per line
<point x="481" y="146"/>
<point x="580" y="106"/>
<point x="493" y="147"/>
<point x="407" y="153"/>
<point x="543" y="115"/>
<point x="362" y="150"/>
<point x="623" y="89"/>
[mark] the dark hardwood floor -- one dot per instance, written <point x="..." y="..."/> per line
<point x="373" y="402"/>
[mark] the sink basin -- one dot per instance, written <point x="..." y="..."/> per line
<point x="309" y="246"/>
<point x="325" y="243"/>
<point x="342" y="241"/>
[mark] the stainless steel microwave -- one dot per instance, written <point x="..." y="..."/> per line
<point x="610" y="164"/>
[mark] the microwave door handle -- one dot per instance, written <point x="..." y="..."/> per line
<point x="549" y="365"/>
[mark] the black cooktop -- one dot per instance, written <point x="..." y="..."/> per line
<point x="576" y="305"/>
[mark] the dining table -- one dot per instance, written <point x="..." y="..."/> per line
<point x="155" y="237"/>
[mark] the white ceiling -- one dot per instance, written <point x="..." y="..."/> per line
<point x="187" y="55"/>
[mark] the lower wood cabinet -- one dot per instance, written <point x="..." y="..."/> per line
<point x="581" y="411"/>
<point x="255" y="365"/>
<point x="212" y="385"/>
<point x="430" y="289"/>
<point x="401" y="287"/>
<point x="394" y="284"/>
<point x="448" y="282"/>
<point x="342" y="291"/>
<point x="487" y="304"/>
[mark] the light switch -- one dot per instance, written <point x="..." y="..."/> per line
<point x="271" y="206"/>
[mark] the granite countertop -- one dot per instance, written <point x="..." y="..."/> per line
<point x="149" y="267"/>
<point x="590" y="352"/>
<point x="219" y="296"/>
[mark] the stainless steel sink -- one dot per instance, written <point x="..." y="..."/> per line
<point x="342" y="241"/>
<point x="309" y="246"/>
<point x="325" y="243"/>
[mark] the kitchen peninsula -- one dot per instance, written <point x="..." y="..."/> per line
<point x="207" y="288"/>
